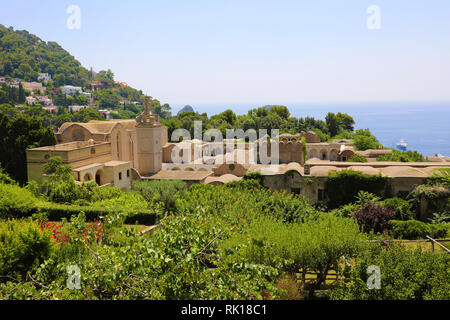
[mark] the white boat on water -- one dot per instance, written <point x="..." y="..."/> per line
<point x="402" y="145"/>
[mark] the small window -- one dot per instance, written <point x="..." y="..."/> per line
<point x="120" y="175"/>
<point x="295" y="190"/>
<point x="128" y="173"/>
<point x="321" y="195"/>
<point x="344" y="159"/>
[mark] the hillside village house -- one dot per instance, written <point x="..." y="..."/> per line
<point x="117" y="152"/>
<point x="44" y="77"/>
<point x="76" y="108"/>
<point x="44" y="100"/>
<point x="70" y="90"/>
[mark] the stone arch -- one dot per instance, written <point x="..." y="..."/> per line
<point x="313" y="153"/>
<point x="189" y="169"/>
<point x="334" y="155"/>
<point x="176" y="169"/>
<point x="87" y="177"/>
<point x="345" y="155"/>
<point x="323" y="155"/>
<point x="78" y="135"/>
<point x="75" y="132"/>
<point x="99" y="177"/>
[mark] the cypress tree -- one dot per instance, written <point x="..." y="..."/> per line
<point x="21" y="98"/>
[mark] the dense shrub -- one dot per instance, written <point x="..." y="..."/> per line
<point x="244" y="184"/>
<point x="342" y="187"/>
<point x="413" y="229"/>
<point x="402" y="156"/>
<point x="57" y="212"/>
<point x="405" y="275"/>
<point x="180" y="261"/>
<point x="401" y="207"/>
<point x="373" y="217"/>
<point x="16" y="202"/>
<point x="346" y="211"/>
<point x="5" y="178"/>
<point x="164" y="191"/>
<point x="242" y="205"/>
<point x="23" y="247"/>
<point x="106" y="193"/>
<point x="254" y="176"/>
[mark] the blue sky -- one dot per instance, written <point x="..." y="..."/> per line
<point x="217" y="51"/>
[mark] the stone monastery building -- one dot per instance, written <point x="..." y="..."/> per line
<point x="117" y="152"/>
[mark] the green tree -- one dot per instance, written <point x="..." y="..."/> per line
<point x="17" y="135"/>
<point x="364" y="140"/>
<point x="345" y="121"/>
<point x="107" y="99"/>
<point x="332" y="124"/>
<point x="21" y="97"/>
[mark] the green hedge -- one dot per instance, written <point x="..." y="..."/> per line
<point x="56" y="212"/>
<point x="17" y="202"/>
<point x="414" y="229"/>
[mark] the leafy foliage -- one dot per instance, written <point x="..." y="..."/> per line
<point x="23" y="247"/>
<point x="413" y="229"/>
<point x="405" y="275"/>
<point x="316" y="245"/>
<point x="16" y="135"/>
<point x="15" y="201"/>
<point x="373" y="217"/>
<point x="402" y="208"/>
<point x="402" y="156"/>
<point x="165" y="191"/>
<point x="342" y="187"/>
<point x="364" y="140"/>
<point x="357" y="158"/>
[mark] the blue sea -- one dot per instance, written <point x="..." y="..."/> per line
<point x="425" y="126"/>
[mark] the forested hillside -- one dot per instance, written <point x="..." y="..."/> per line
<point x="23" y="55"/>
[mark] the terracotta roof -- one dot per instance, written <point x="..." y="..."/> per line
<point x="180" y="175"/>
<point x="222" y="179"/>
<point x="403" y="172"/>
<point x="365" y="169"/>
<point x="322" y="171"/>
<point x="98" y="126"/>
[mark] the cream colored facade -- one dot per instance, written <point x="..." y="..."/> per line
<point x="111" y="152"/>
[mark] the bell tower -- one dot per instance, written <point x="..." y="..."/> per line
<point x="148" y="138"/>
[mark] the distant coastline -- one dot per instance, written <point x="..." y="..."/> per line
<point x="425" y="126"/>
